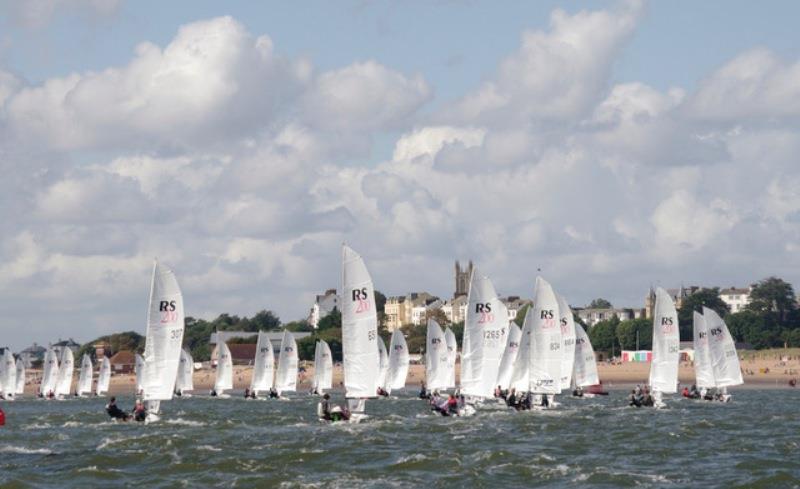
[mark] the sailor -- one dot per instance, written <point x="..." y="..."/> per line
<point x="578" y="392"/>
<point x="452" y="405"/>
<point x="2" y="417"/>
<point x="694" y="393"/>
<point x="114" y="411"/>
<point x="326" y="407"/>
<point x="382" y="392"/>
<point x="685" y="392"/>
<point x="647" y="399"/>
<point x="634" y="399"/>
<point x="213" y="392"/>
<point x="423" y="392"/>
<point x="178" y="392"/>
<point x="545" y="401"/>
<point x="246" y="393"/>
<point x="273" y="394"/>
<point x="498" y="392"/>
<point x="511" y="399"/>
<point x="139" y="411"/>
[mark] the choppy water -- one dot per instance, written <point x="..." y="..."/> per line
<point x="753" y="442"/>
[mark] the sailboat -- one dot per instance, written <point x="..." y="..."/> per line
<point x="666" y="348"/>
<point x="722" y="350"/>
<point x="8" y="375"/>
<point x="85" y="378"/>
<point x="452" y="355"/>
<point x="567" y="322"/>
<point x="138" y="369"/>
<point x="509" y="356"/>
<point x="163" y="340"/>
<point x="398" y="362"/>
<point x="224" y="380"/>
<point x="520" y="374"/>
<point x="65" y="371"/>
<point x="323" y="368"/>
<point x="286" y="376"/>
<point x="359" y="337"/>
<point x="20" y="377"/>
<point x="584" y="368"/>
<point x="47" y="388"/>
<point x="185" y="378"/>
<point x="383" y="366"/>
<point x="703" y="370"/>
<point x="485" y="331"/>
<point x="263" y="366"/>
<point x="437" y="359"/>
<point x="104" y="377"/>
<point x="546" y="346"/>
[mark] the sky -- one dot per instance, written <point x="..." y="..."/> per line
<point x="613" y="145"/>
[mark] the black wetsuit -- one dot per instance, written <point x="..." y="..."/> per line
<point x="140" y="415"/>
<point x="116" y="412"/>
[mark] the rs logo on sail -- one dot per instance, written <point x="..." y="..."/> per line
<point x="168" y="310"/>
<point x="361" y="296"/>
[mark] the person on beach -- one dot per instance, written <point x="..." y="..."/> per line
<point x="115" y="412"/>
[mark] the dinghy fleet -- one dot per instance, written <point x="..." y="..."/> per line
<point x="502" y="365"/>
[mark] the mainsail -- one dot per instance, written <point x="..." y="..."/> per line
<point x="520" y="374"/>
<point x="20" y="377"/>
<point x="185" y="379"/>
<point x="509" y="356"/>
<point x="138" y="370"/>
<point x="85" y="377"/>
<point x="65" y="371"/>
<point x="50" y="373"/>
<point x="383" y="363"/>
<point x="323" y="367"/>
<point x="437" y="370"/>
<point x="104" y="377"/>
<point x="224" y="380"/>
<point x="485" y="330"/>
<point x="286" y="377"/>
<point x="398" y="361"/>
<point x="359" y="328"/>
<point x="585" y="367"/>
<point x="724" y="358"/>
<point x="546" y="342"/>
<point x="568" y="341"/>
<point x="263" y="366"/>
<point x="666" y="345"/>
<point x="703" y="370"/>
<point x="165" y="324"/>
<point x="452" y="355"/>
<point x="8" y="373"/>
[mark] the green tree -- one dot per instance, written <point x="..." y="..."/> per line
<point x="603" y="335"/>
<point x="264" y="321"/>
<point x="754" y="328"/>
<point x="520" y="319"/>
<point x="331" y="321"/>
<point x="627" y="330"/>
<point x="128" y="340"/>
<point x="773" y="298"/>
<point x="298" y="326"/>
<point x="600" y="304"/>
<point x="695" y="302"/>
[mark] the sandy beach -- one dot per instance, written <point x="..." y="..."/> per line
<point x="766" y="369"/>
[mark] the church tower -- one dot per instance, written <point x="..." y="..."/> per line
<point x="462" y="279"/>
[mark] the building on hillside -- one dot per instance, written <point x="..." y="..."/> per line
<point x="736" y="298"/>
<point x="462" y="279"/>
<point x="395" y="312"/>
<point x="274" y="338"/>
<point x="102" y="349"/>
<point x="514" y="304"/>
<point x="419" y="311"/>
<point x="456" y="309"/>
<point x="123" y="362"/>
<point x="62" y="344"/>
<point x="323" y="305"/>
<point x="399" y="310"/>
<point x="592" y="315"/>
<point x="678" y="295"/>
<point x="32" y="354"/>
<point x="242" y="353"/>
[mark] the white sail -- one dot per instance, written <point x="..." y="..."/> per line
<point x="85" y="378"/>
<point x="286" y="376"/>
<point x="65" y="371"/>
<point x="224" y="380"/>
<point x="724" y="359"/>
<point x="398" y="361"/>
<point x="20" y="377"/>
<point x="546" y="341"/>
<point x="104" y="377"/>
<point x="520" y="373"/>
<point x="383" y="363"/>
<point x="666" y="345"/>
<point x="323" y="367"/>
<point x="263" y="365"/>
<point x="359" y="328"/>
<point x="138" y="370"/>
<point x="485" y="330"/>
<point x="8" y="373"/>
<point x="509" y="356"/>
<point x="452" y="355"/>
<point x="585" y="366"/>
<point x="703" y="370"/>
<point x="164" y="339"/>
<point x="567" y="323"/>
<point x="185" y="379"/>
<point x="49" y="373"/>
<point x="437" y="371"/>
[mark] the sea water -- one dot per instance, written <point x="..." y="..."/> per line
<point x="200" y="442"/>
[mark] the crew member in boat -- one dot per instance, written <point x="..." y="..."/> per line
<point x="633" y="399"/>
<point x="578" y="392"/>
<point x="213" y="392"/>
<point x="382" y="392"/>
<point x="273" y="393"/>
<point x="647" y="399"/>
<point x="115" y="412"/>
<point x="452" y="405"/>
<point x="246" y="393"/>
<point x="139" y="411"/>
<point x="511" y="399"/>
<point x="694" y="393"/>
<point x="423" y="391"/>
